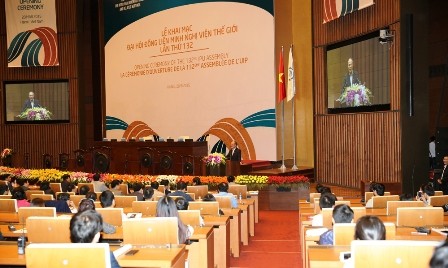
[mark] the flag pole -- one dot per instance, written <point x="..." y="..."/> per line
<point x="294" y="167"/>
<point x="283" y="131"/>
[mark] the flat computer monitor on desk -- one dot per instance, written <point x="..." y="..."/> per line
<point x="238" y="189"/>
<point x="199" y="190"/>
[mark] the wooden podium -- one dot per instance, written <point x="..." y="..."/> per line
<point x="233" y="168"/>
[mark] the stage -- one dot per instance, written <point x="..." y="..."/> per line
<point x="305" y="171"/>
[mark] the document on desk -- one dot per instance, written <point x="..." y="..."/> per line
<point x="122" y="250"/>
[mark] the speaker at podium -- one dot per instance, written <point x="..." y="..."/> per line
<point x="233" y="168"/>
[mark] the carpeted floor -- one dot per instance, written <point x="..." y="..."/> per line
<point x="275" y="244"/>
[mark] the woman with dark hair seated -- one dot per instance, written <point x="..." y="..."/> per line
<point x="83" y="190"/>
<point x="37" y="202"/>
<point x="166" y="207"/>
<point x="148" y="193"/>
<point x="88" y="204"/>
<point x="45" y="186"/>
<point x="211" y="198"/>
<point x="19" y="194"/>
<point x="370" y="228"/>
<point x="196" y="181"/>
<point x="367" y="228"/>
<point x="92" y="195"/>
<point x="166" y="183"/>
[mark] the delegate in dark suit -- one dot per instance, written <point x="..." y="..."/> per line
<point x="234" y="155"/>
<point x="441" y="184"/>
<point x="350" y="79"/>
<point x="30" y="104"/>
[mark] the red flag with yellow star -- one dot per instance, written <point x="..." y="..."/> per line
<point x="281" y="79"/>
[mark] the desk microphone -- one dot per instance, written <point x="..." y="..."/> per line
<point x="125" y="163"/>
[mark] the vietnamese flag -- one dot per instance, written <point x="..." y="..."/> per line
<point x="281" y="79"/>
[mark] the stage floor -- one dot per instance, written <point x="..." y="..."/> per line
<point x="305" y="171"/>
<point x="345" y="192"/>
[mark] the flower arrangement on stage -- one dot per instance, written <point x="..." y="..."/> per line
<point x="288" y="182"/>
<point x="36" y="113"/>
<point x="253" y="182"/>
<point x="209" y="180"/>
<point x="215" y="159"/>
<point x="355" y="95"/>
<point x="6" y="152"/>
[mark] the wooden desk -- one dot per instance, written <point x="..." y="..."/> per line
<point x="235" y="230"/>
<point x="401" y="233"/>
<point x="146" y="257"/>
<point x="251" y="214"/>
<point x="244" y="223"/>
<point x="9" y="217"/>
<point x="255" y="198"/>
<point x="306" y="210"/>
<point x="376" y="211"/>
<point x="7" y="233"/>
<point x="9" y="254"/>
<point x="405" y="233"/>
<point x="155" y="257"/>
<point x="221" y="230"/>
<point x="326" y="256"/>
<point x="118" y="235"/>
<point x="201" y="250"/>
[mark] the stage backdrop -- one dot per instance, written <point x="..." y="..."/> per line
<point x="31" y="33"/>
<point x="196" y="69"/>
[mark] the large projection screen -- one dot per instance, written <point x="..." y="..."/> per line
<point x="178" y="69"/>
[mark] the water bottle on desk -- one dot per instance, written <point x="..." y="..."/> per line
<point x="21" y="245"/>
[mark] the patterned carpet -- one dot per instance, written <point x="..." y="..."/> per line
<point x="275" y="244"/>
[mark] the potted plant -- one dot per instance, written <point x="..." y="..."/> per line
<point x="36" y="113"/>
<point x="215" y="163"/>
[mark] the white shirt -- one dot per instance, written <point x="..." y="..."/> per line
<point x="432" y="149"/>
<point x="318" y="220"/>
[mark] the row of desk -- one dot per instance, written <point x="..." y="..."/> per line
<point x="328" y="256"/>
<point x="212" y="245"/>
<point x="172" y="257"/>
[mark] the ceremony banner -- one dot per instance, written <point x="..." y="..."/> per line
<point x="334" y="9"/>
<point x="202" y="69"/>
<point x="31" y="33"/>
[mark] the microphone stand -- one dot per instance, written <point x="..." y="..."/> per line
<point x="125" y="163"/>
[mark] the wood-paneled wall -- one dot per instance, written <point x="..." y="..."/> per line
<point x="354" y="147"/>
<point x="31" y="141"/>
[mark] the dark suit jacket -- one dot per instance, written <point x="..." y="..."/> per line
<point x="444" y="177"/>
<point x="65" y="185"/>
<point x="139" y="196"/>
<point x="27" y="104"/>
<point x="235" y="156"/>
<point x="346" y="82"/>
